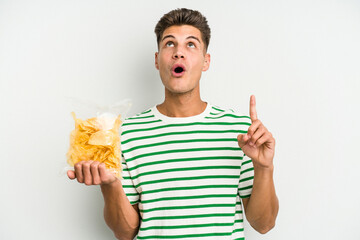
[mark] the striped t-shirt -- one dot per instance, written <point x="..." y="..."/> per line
<point x="187" y="175"/>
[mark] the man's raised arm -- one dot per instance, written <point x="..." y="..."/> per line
<point x="262" y="207"/>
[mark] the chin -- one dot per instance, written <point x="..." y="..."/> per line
<point x="179" y="86"/>
<point x="179" y="90"/>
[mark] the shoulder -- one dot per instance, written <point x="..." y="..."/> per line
<point x="139" y="120"/>
<point x="142" y="115"/>
<point x="227" y="114"/>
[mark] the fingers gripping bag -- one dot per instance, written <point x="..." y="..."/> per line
<point x="96" y="135"/>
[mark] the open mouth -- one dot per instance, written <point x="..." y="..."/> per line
<point x="178" y="70"/>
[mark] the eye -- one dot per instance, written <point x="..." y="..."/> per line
<point x="191" y="45"/>
<point x="169" y="44"/>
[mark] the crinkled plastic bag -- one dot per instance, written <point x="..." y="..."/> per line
<point x="97" y="138"/>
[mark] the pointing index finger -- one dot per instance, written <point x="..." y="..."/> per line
<point x="253" y="114"/>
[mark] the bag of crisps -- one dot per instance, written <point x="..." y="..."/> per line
<point x="98" y="138"/>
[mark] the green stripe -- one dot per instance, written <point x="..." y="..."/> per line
<point x="187" y="188"/>
<point x="246" y="196"/>
<point x="185" y="179"/>
<point x="216" y="114"/>
<point x="184" y="236"/>
<point x="185" y="169"/>
<point x="132" y="194"/>
<point x="145" y="112"/>
<point x="184" y="160"/>
<point x="188" y="207"/>
<point x="228" y="115"/>
<point x="189" y="216"/>
<point x="183" y="150"/>
<point x="188" y="226"/>
<point x="180" y="141"/>
<point x="188" y="197"/>
<point x="238" y="230"/>
<point x="184" y="125"/>
<point x="139" y="123"/>
<point x="218" y="109"/>
<point x="182" y="133"/>
<point x="246" y="162"/>
<point x="134" y="118"/>
<point x="247" y="170"/>
<point x="246" y="179"/>
<point x="244" y="188"/>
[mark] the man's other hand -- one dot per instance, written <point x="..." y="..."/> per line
<point x="91" y="173"/>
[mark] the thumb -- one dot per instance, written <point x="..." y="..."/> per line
<point x="242" y="138"/>
<point x="71" y="174"/>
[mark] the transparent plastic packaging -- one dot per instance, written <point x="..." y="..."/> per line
<point x="96" y="135"/>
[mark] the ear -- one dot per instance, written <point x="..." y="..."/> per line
<point x="156" y="60"/>
<point x="206" y="62"/>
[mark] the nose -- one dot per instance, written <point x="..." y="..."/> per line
<point x="178" y="54"/>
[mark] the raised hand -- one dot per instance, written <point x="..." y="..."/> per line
<point x="91" y="173"/>
<point x="258" y="143"/>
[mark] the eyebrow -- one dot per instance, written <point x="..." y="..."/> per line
<point x="194" y="38"/>
<point x="189" y="37"/>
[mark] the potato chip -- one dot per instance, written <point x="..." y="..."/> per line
<point x="90" y="141"/>
<point x="103" y="138"/>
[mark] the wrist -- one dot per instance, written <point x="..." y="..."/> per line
<point x="114" y="184"/>
<point x="263" y="170"/>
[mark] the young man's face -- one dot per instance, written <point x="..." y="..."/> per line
<point x="181" y="59"/>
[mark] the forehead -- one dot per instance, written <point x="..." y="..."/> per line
<point x="182" y="32"/>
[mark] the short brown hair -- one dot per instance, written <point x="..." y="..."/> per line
<point x="184" y="16"/>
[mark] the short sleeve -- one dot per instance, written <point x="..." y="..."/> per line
<point x="246" y="177"/>
<point x="128" y="184"/>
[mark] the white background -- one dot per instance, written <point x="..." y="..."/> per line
<point x="301" y="59"/>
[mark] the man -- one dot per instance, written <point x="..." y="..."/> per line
<point x="189" y="168"/>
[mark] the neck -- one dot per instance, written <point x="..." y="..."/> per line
<point x="182" y="105"/>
